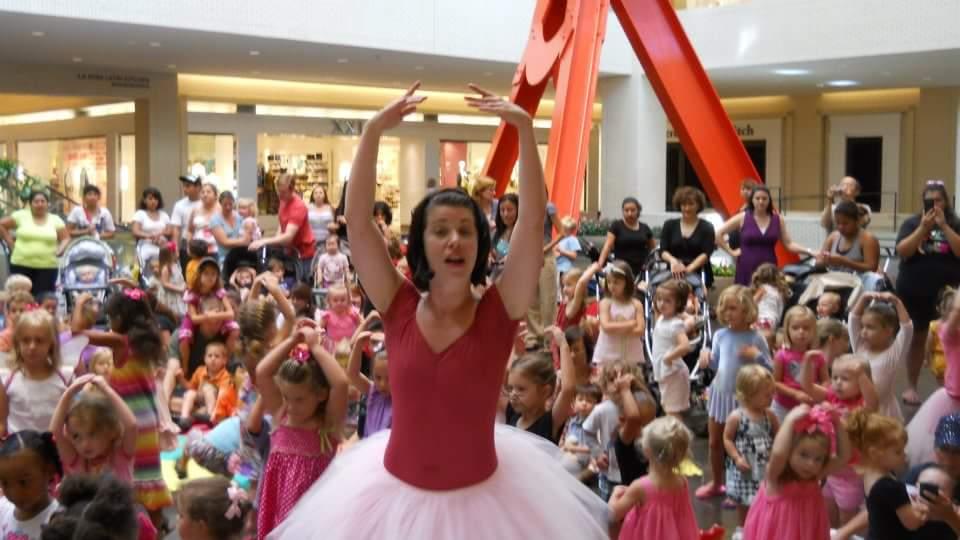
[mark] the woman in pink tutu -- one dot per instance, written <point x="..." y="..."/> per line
<point x="789" y="505"/>
<point x="658" y="505"/>
<point x="944" y="401"/>
<point x="444" y="470"/>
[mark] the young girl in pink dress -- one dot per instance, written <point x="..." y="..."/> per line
<point x="658" y="505"/>
<point x="444" y="470"/>
<point x="945" y="400"/>
<point x="789" y="505"/>
<point x="340" y="320"/>
<point x="306" y="391"/>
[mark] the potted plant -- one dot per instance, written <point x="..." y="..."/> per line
<point x="722" y="278"/>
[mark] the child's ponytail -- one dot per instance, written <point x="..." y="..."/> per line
<point x="132" y="316"/>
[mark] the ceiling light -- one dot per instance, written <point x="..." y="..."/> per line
<point x="791" y="72"/>
<point x="211" y="107"/>
<point x="254" y="53"/>
<point x="342" y="60"/>
<point x="154" y="43"/>
<point x="33" y="118"/>
<point x="842" y="83"/>
<point x="110" y="109"/>
<point x="38" y="34"/>
<point x="77" y="59"/>
<point x="543" y="123"/>
<point x="469" y="120"/>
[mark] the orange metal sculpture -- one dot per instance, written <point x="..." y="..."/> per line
<point x="564" y="46"/>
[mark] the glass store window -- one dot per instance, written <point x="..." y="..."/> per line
<point x="214" y="157"/>
<point x="67" y="165"/>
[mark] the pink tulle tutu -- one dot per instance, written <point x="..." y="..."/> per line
<point x="530" y="495"/>
<point x="921" y="428"/>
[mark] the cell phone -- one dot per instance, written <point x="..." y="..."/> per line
<point x="927" y="205"/>
<point x="929" y="490"/>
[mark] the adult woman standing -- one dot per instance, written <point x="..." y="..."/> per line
<point x="849" y="248"/>
<point x="232" y="241"/>
<point x="929" y="248"/>
<point x="198" y="227"/>
<point x="505" y="221"/>
<point x="687" y="242"/>
<point x="484" y="193"/>
<point x="320" y="214"/>
<point x="150" y="224"/>
<point x="761" y="227"/>
<point x="629" y="238"/>
<point x="41" y="238"/>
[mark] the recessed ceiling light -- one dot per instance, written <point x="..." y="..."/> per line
<point x="342" y="60"/>
<point x="38" y="34"/>
<point x="791" y="72"/>
<point x="77" y="59"/>
<point x="842" y="83"/>
<point x="418" y="68"/>
<point x="154" y="43"/>
<point x="254" y="53"/>
<point x="171" y="66"/>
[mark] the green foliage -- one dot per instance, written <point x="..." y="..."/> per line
<point x="724" y="270"/>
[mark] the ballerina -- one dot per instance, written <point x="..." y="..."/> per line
<point x="444" y="470"/>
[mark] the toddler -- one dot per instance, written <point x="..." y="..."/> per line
<point x="828" y="306"/>
<point x="247" y="208"/>
<point x="658" y="504"/>
<point x="621" y="320"/>
<point x="170" y="283"/>
<point x="933" y="351"/>
<point x="18" y="302"/>
<point x="377" y="391"/>
<point x="242" y="280"/>
<point x="213" y="385"/>
<point x="212" y="509"/>
<point x="809" y="445"/>
<point x="748" y="436"/>
<point x="209" y="311"/>
<point x="800" y="337"/>
<point x="28" y="465"/>
<point x="341" y="319"/>
<point x="670" y="345"/>
<point x="97" y="507"/>
<point x="770" y="291"/>
<point x="833" y="338"/>
<point x="573" y="294"/>
<point x="197" y="251"/>
<point x="567" y="249"/>
<point x="874" y="335"/>
<point x="576" y="447"/>
<point x="733" y="347"/>
<point x="332" y="266"/>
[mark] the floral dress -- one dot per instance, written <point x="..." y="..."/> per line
<point x="754" y="441"/>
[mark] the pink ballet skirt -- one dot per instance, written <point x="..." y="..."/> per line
<point x="664" y="515"/>
<point x="798" y="512"/>
<point x="297" y="458"/>
<point x="921" y="428"/>
<point x="529" y="495"/>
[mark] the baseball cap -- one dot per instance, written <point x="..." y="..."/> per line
<point x="190" y="179"/>
<point x="207" y="261"/>
<point x="947" y="434"/>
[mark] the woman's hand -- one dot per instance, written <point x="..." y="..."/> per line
<point x="938" y="217"/>
<point x="929" y="219"/>
<point x="391" y="115"/>
<point x="678" y="269"/>
<point x="489" y="102"/>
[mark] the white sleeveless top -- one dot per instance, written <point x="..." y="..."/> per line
<point x="32" y="403"/>
<point x="612" y="347"/>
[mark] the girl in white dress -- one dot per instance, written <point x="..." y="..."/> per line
<point x="621" y="320"/>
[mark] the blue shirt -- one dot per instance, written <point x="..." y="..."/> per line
<point x="569" y="243"/>
<point x="725" y="356"/>
<point x="231" y="232"/>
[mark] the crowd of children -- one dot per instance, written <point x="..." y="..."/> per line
<point x="275" y="384"/>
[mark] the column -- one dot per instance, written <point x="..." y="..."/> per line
<point x="431" y="159"/>
<point x="160" y="125"/>
<point x="634" y="143"/>
<point x="412" y="177"/>
<point x="113" y="174"/>
<point x="247" y="162"/>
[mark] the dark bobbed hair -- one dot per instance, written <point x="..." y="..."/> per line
<point x="37" y="441"/>
<point x="382" y="208"/>
<point x="760" y="187"/>
<point x="689" y="194"/>
<point x="32" y="194"/>
<point x="416" y="254"/>
<point x="94" y="507"/>
<point x="847" y="209"/>
<point x="633" y="201"/>
<point x="501" y="227"/>
<point x="156" y="195"/>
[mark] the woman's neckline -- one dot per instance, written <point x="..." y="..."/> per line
<point x="634" y="227"/>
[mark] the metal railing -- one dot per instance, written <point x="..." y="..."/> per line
<point x="869" y="198"/>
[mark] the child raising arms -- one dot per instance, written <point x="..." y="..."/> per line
<point x="799" y="337"/>
<point x="874" y="335"/>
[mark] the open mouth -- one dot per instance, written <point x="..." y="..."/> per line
<point x="455" y="261"/>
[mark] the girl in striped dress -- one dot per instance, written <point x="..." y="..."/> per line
<point x="138" y="351"/>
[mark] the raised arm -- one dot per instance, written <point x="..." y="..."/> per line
<point x="568" y="387"/>
<point x="336" y="408"/>
<point x="607" y="249"/>
<point x="782" y="443"/>
<point x="127" y="419"/>
<point x="521" y="270"/>
<point x="358" y="379"/>
<point x="58" y="422"/>
<point x="370" y="257"/>
<point x="267" y="368"/>
<point x="909" y="245"/>
<point x="807" y="375"/>
<point x="580" y="291"/>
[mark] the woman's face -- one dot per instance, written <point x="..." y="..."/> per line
<point x="208" y="196"/>
<point x="319" y="196"/>
<point x="508" y="213"/>
<point x="450" y="242"/>
<point x="689" y="208"/>
<point x="936" y="196"/>
<point x="846" y="226"/>
<point x="227" y="205"/>
<point x="38" y="204"/>
<point x="849" y="188"/>
<point x="745" y="192"/>
<point x="151" y="202"/>
<point x="761" y="202"/>
<point x="631" y="213"/>
<point x="488" y="194"/>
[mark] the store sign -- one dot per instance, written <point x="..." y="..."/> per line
<point x="116" y="80"/>
<point x="743" y="130"/>
<point x="347" y="127"/>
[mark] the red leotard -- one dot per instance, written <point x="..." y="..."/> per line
<point x="444" y="404"/>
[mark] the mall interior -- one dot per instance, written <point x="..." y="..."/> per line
<point x="144" y="94"/>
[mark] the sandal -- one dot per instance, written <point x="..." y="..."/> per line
<point x="709" y="491"/>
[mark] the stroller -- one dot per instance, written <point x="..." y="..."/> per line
<point x="808" y="282"/>
<point x="87" y="266"/>
<point x="656" y="272"/>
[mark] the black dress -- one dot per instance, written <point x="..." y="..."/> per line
<point x="631" y="246"/>
<point x="542" y="426"/>
<point x="701" y="241"/>
<point x="923" y="276"/>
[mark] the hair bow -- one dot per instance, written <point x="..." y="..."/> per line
<point x="31" y="307"/>
<point x="133" y="294"/>
<point x="172" y="246"/>
<point x="300" y="353"/>
<point x="236" y="496"/>
<point x="820" y="420"/>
